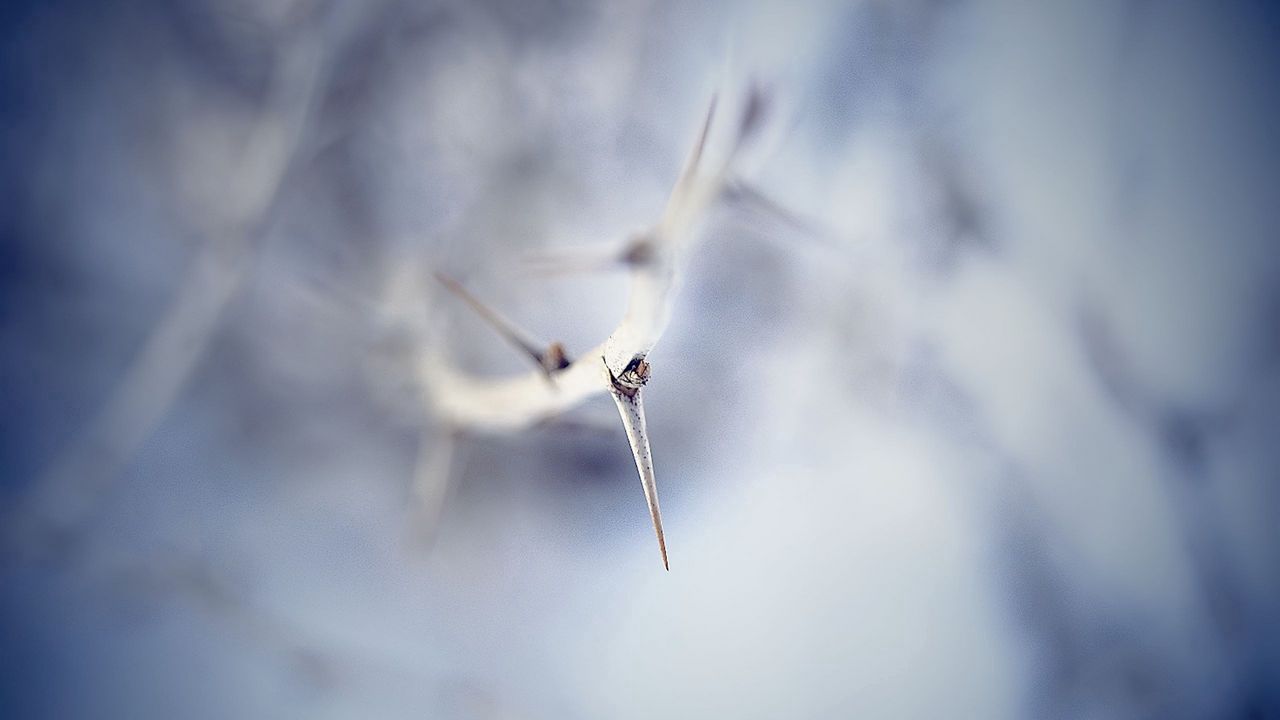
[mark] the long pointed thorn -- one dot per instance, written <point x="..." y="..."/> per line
<point x="695" y="153"/>
<point x="631" y="409"/>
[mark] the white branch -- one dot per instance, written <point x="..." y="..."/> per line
<point x="656" y="259"/>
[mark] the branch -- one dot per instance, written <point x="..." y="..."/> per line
<point x="656" y="259"/>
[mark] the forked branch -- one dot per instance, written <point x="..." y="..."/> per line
<point x="656" y="259"/>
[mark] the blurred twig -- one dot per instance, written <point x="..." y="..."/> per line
<point x="61" y="497"/>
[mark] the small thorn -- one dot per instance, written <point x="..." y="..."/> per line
<point x="548" y="361"/>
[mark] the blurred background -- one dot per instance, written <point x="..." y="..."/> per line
<point x="975" y="417"/>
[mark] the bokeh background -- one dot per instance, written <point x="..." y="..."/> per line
<point x="984" y="424"/>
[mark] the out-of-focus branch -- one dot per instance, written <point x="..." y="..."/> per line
<point x="656" y="259"/>
<point x="317" y="655"/>
<point x="65" y="492"/>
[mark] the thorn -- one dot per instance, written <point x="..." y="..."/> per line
<point x="548" y="361"/>
<point x="639" y="249"/>
<point x="690" y="169"/>
<point x="631" y="408"/>
<point x="753" y="114"/>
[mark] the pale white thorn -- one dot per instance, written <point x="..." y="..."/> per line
<point x="680" y="192"/>
<point x="631" y="409"/>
